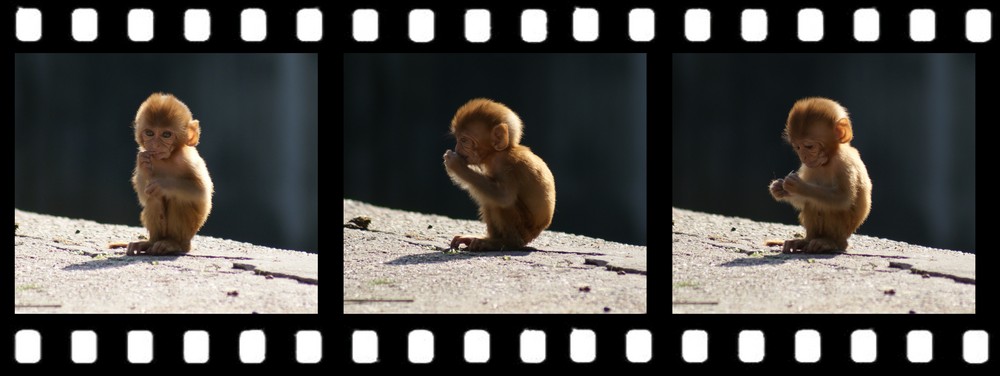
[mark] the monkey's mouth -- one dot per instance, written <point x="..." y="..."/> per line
<point x="819" y="162"/>
<point x="465" y="157"/>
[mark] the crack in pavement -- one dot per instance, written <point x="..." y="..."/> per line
<point x="253" y="268"/>
<point x="931" y="273"/>
<point x="614" y="268"/>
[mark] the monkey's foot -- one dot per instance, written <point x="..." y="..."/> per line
<point x="467" y="240"/>
<point x="135" y="248"/>
<point x="793" y="245"/>
<point x="817" y="245"/>
<point x="822" y="246"/>
<point x="157" y="248"/>
<point x="476" y="244"/>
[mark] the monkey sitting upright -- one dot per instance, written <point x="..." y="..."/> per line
<point x="170" y="177"/>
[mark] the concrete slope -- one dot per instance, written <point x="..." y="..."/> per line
<point x="721" y="265"/>
<point x="64" y="265"/>
<point x="400" y="263"/>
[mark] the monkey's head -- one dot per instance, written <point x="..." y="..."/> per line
<point x="483" y="127"/>
<point x="164" y="125"/>
<point x="816" y="127"/>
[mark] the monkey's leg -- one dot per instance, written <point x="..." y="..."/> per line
<point x="167" y="247"/>
<point x="479" y="244"/>
<point x="488" y="244"/>
<point x="822" y="245"/>
<point x="495" y="244"/>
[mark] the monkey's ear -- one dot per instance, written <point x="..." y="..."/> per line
<point x="194" y="133"/>
<point x="844" y="132"/>
<point x="500" y="137"/>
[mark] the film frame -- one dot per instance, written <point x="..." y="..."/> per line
<point x="611" y="331"/>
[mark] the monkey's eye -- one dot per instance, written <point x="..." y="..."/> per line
<point x="149" y="133"/>
<point x="167" y="134"/>
<point x="809" y="147"/>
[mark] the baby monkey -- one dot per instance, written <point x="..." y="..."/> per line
<point x="170" y="177"/>
<point x="831" y="190"/>
<point x="513" y="187"/>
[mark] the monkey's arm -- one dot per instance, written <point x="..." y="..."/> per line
<point x="139" y="184"/>
<point x="191" y="189"/>
<point x="481" y="186"/>
<point x="142" y="175"/>
<point x="835" y="196"/>
<point x="485" y="187"/>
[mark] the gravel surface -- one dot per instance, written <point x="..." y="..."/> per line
<point x="399" y="264"/>
<point x="721" y="265"/>
<point x="64" y="265"/>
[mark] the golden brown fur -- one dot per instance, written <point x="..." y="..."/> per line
<point x="170" y="177"/>
<point x="831" y="189"/>
<point x="514" y="188"/>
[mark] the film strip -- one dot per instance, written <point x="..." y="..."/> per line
<point x="374" y="341"/>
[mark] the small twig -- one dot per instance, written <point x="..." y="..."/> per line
<point x="378" y="300"/>
<point x="425" y="244"/>
<point x="870" y="255"/>
<point x="219" y="257"/>
<point x="567" y="252"/>
<point x="38" y="306"/>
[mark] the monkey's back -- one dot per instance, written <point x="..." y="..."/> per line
<point x="539" y="188"/>
<point x="532" y="211"/>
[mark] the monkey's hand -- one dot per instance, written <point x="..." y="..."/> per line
<point x="145" y="160"/>
<point x="777" y="191"/>
<point x="153" y="189"/>
<point x="792" y="183"/>
<point x="454" y="161"/>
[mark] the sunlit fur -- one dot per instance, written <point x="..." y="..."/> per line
<point x="170" y="177"/>
<point x="831" y="189"/>
<point x="513" y="187"/>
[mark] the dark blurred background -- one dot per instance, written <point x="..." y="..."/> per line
<point x="74" y="147"/>
<point x="584" y="114"/>
<point x="914" y="124"/>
